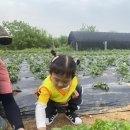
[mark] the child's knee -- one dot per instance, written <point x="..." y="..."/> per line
<point x="79" y="89"/>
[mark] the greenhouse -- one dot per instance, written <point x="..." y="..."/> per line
<point x="98" y="40"/>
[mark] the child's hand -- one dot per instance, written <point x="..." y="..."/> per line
<point x="75" y="94"/>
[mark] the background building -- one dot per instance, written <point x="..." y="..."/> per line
<point x="81" y="40"/>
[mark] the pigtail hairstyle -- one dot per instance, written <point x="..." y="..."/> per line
<point x="62" y="64"/>
<point x="53" y="53"/>
<point x="78" y="62"/>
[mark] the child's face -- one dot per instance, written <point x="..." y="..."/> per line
<point x="60" y="81"/>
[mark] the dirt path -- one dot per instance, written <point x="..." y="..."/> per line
<point x="122" y="113"/>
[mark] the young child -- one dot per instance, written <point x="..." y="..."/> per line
<point x="59" y="89"/>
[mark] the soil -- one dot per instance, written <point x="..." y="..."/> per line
<point x="121" y="114"/>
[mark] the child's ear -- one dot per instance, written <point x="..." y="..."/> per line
<point x="78" y="62"/>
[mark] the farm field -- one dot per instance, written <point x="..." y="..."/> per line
<point x="104" y="75"/>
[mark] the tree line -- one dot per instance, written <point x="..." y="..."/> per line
<point x="26" y="36"/>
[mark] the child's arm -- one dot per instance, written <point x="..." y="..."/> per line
<point x="40" y="116"/>
<point x="41" y="104"/>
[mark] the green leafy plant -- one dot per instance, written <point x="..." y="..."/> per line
<point x="101" y="85"/>
<point x="13" y="70"/>
<point x="100" y="125"/>
<point x="123" y="71"/>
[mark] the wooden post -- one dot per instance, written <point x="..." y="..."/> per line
<point x="76" y="46"/>
<point x="105" y="45"/>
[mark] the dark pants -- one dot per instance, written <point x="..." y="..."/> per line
<point x="12" y="110"/>
<point x="72" y="103"/>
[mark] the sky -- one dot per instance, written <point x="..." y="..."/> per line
<point x="60" y="17"/>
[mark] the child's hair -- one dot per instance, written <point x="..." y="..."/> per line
<point x="62" y="64"/>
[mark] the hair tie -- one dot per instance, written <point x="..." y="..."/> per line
<point x="56" y="57"/>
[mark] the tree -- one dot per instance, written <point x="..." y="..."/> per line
<point x="25" y="36"/>
<point x="63" y="39"/>
<point x="90" y="28"/>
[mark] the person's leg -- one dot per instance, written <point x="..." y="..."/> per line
<point x="3" y="123"/>
<point x="12" y="111"/>
<point x="51" y="112"/>
<point x="73" y="105"/>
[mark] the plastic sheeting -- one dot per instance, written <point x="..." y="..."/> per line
<point x="3" y="124"/>
<point x="28" y="84"/>
<point x="97" y="99"/>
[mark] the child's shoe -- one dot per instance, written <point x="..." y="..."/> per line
<point x="50" y="118"/>
<point x="72" y="116"/>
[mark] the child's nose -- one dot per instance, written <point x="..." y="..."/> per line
<point x="60" y="84"/>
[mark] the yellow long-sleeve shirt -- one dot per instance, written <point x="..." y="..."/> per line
<point x="48" y="91"/>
